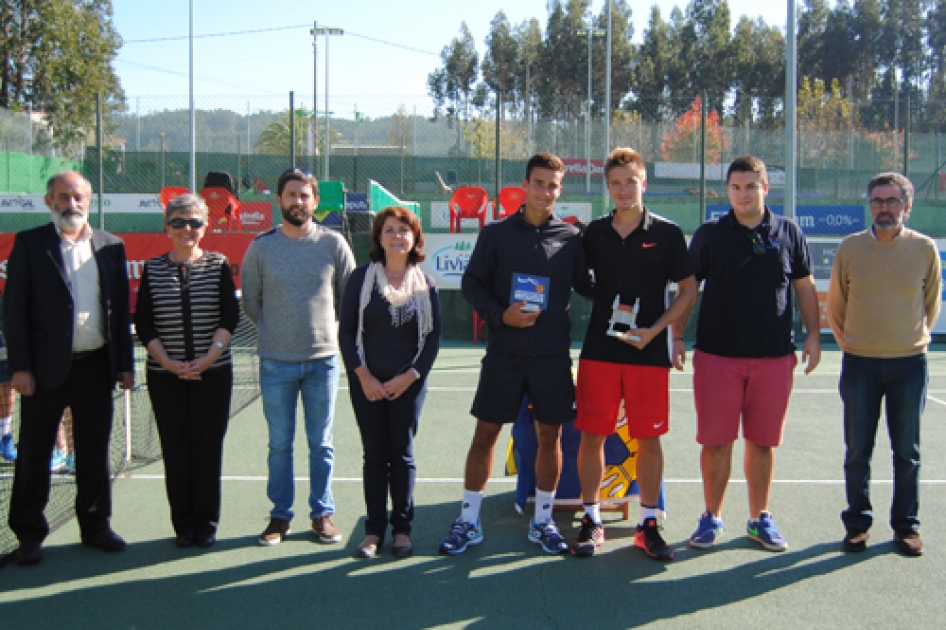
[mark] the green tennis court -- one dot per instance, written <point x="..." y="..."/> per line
<point x="506" y="582"/>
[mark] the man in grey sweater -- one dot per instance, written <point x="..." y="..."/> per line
<point x="293" y="280"/>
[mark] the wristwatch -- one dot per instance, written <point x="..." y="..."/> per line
<point x="416" y="373"/>
<point x="219" y="345"/>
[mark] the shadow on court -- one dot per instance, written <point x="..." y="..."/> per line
<point x="506" y="582"/>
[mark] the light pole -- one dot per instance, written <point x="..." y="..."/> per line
<point x="591" y="33"/>
<point x="791" y="101"/>
<point x="326" y="31"/>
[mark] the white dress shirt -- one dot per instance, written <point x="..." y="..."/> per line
<point x="83" y="274"/>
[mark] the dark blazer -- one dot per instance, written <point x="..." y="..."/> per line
<point x="38" y="306"/>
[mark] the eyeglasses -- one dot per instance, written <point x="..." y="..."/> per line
<point x="892" y="203"/>
<point x="758" y="245"/>
<point x="179" y="223"/>
<point x="295" y="170"/>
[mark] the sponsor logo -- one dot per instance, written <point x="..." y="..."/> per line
<point x="453" y="259"/>
<point x="649" y="245"/>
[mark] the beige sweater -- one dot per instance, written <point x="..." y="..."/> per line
<point x="885" y="297"/>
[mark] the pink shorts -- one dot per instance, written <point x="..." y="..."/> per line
<point x="755" y="391"/>
<point x="644" y="389"/>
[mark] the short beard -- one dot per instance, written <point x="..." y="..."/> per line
<point x="73" y="222"/>
<point x="292" y="220"/>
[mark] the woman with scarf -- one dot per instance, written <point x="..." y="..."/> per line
<point x="389" y="334"/>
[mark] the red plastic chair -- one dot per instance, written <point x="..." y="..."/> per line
<point x="224" y="207"/>
<point x="170" y="193"/>
<point x="509" y="201"/>
<point x="468" y="202"/>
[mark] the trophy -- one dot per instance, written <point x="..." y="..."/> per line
<point x="624" y="316"/>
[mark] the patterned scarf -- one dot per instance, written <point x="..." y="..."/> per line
<point x="412" y="300"/>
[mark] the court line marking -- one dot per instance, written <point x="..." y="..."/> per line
<point x="513" y="479"/>
<point x="936" y="400"/>
<point x="672" y="389"/>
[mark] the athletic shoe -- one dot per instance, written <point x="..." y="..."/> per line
<point x="7" y="448"/>
<point x="707" y="531"/>
<point x="462" y="535"/>
<point x="325" y="530"/>
<point x="57" y="463"/>
<point x="765" y="533"/>
<point x="648" y="538"/>
<point x="547" y="535"/>
<point x="590" y="535"/>
<point x="277" y="529"/>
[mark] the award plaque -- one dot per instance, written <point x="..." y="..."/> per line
<point x="533" y="290"/>
<point x="624" y="316"/>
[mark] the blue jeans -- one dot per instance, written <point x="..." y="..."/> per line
<point x="901" y="383"/>
<point x="281" y="382"/>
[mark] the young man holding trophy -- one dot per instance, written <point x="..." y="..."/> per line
<point x="635" y="255"/>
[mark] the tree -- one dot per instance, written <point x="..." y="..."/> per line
<point x="826" y="119"/>
<point x="56" y="57"/>
<point x="275" y="139"/>
<point x="451" y="86"/>
<point x="682" y="142"/>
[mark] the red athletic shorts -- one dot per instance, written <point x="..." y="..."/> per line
<point x="755" y="391"/>
<point x="602" y="386"/>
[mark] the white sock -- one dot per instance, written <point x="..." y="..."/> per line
<point x="471" y="506"/>
<point x="593" y="510"/>
<point x="544" y="501"/>
<point x="5" y="425"/>
<point x="647" y="512"/>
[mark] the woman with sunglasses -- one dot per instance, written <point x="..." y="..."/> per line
<point x="389" y="335"/>
<point x="186" y="313"/>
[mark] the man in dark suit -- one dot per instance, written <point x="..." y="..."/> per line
<point x="67" y="325"/>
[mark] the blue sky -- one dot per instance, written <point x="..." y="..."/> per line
<point x="389" y="48"/>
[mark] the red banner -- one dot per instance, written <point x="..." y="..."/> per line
<point x="140" y="247"/>
<point x="576" y="167"/>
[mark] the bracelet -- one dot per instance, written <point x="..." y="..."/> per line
<point x="416" y="373"/>
<point x="219" y="345"/>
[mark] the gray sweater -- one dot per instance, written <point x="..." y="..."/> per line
<point x="292" y="289"/>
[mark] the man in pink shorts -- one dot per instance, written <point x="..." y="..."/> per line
<point x="744" y="361"/>
<point x="627" y="353"/>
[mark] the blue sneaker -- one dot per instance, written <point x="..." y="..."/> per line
<point x="547" y="535"/>
<point x="58" y="462"/>
<point x="707" y="531"/>
<point x="462" y="535"/>
<point x="7" y="448"/>
<point x="765" y="533"/>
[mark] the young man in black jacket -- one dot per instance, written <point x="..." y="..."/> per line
<point x="519" y="280"/>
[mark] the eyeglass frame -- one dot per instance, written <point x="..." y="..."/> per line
<point x="194" y="224"/>
<point x="876" y="203"/>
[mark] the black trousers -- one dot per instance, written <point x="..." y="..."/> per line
<point x="387" y="431"/>
<point x="88" y="391"/>
<point x="192" y="418"/>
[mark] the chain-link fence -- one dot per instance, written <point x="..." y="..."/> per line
<point x="400" y="143"/>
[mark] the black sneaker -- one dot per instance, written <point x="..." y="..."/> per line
<point x="590" y="535"/>
<point x="648" y="538"/>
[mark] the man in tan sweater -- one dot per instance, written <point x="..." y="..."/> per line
<point x="883" y="301"/>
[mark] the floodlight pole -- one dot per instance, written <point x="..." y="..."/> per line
<point x="315" y="93"/>
<point x="326" y="31"/>
<point x="607" y="102"/>
<point x="591" y="33"/>
<point x="193" y="130"/>
<point x="791" y="99"/>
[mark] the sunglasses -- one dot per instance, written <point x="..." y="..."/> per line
<point x="758" y="245"/>
<point x="179" y="223"/>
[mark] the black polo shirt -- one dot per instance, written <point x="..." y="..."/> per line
<point x="746" y="309"/>
<point x="640" y="266"/>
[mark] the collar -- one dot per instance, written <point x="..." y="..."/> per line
<point x="767" y="219"/>
<point x="85" y="234"/>
<point x="521" y="218"/>
<point x="647" y="220"/>
<point x="896" y="236"/>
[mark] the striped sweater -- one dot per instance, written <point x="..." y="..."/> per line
<point x="184" y="304"/>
